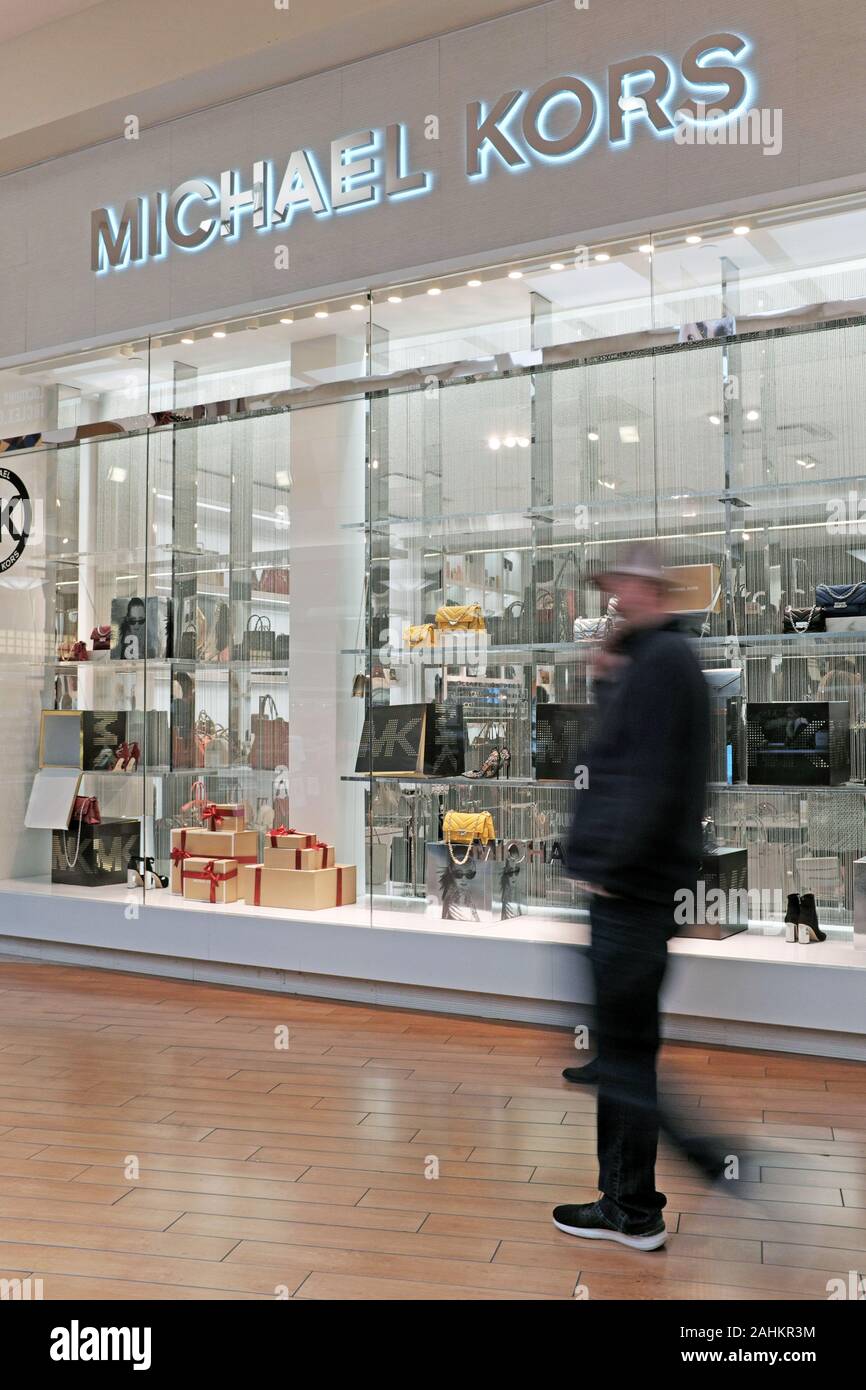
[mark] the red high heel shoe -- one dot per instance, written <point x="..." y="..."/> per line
<point x="122" y="756"/>
<point x="133" y="759"/>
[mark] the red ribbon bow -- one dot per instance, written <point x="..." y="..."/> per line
<point x="177" y="857"/>
<point x="210" y="875"/>
<point x="210" y="813"/>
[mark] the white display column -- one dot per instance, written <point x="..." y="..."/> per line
<point x="328" y="454"/>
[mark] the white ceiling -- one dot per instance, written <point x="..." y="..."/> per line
<point x="19" y="17"/>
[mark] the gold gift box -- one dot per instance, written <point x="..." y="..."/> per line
<point x="310" y="890"/>
<point x="211" y="844"/>
<point x="210" y="880"/>
<point x="294" y="858"/>
<point x="293" y="840"/>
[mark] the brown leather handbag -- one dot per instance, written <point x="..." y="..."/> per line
<point x="270" y="741"/>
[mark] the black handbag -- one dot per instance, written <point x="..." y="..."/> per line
<point x="842" y="600"/>
<point x="804" y="619"/>
<point x="258" y="643"/>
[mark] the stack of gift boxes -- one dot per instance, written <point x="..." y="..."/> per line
<point x="219" y="863"/>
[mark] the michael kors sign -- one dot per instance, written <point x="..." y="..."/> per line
<point x="646" y="93"/>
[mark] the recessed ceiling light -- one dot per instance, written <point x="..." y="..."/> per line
<point x="188" y="342"/>
<point x="473" y="284"/>
<point x="753" y="414"/>
<point x="395" y="299"/>
<point x="602" y="256"/>
<point x="434" y="289"/>
<point x="515" y="274"/>
<point x="357" y="307"/>
<point x="645" y="248"/>
<point x="714" y="419"/>
<point x="591" y="434"/>
<point x="522" y="441"/>
<point x="742" y="229"/>
<point x="628" y="434"/>
<point x="321" y="314"/>
<point x="287" y="319"/>
<point x="494" y="442"/>
<point x="509" y="441"/>
<point x="219" y="333"/>
<point x="693" y="239"/>
<point x="557" y="265"/>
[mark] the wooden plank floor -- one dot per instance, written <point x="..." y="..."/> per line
<point x="155" y="1142"/>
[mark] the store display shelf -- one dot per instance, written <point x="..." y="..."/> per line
<point x="767" y="788"/>
<point x="151" y="664"/>
<point x="787" y="639"/>
<point x="431" y="780"/>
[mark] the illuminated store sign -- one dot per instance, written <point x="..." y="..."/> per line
<point x="371" y="166"/>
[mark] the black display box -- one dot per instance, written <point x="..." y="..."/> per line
<point x="798" y="743"/>
<point x="726" y="870"/>
<point x="100" y="858"/>
<point x="562" y="737"/>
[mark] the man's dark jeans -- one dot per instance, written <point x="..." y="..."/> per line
<point x="629" y="957"/>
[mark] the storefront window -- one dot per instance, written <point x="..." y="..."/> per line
<point x="317" y="582"/>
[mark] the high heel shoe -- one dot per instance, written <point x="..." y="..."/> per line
<point x="504" y="762"/>
<point x="792" y="917"/>
<point x="140" y="873"/>
<point x="807" y="922"/>
<point x="490" y="767"/>
<point x="122" y="758"/>
<point x="132" y="760"/>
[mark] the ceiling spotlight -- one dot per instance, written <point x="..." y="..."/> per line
<point x="395" y="299"/>
<point x="515" y="274"/>
<point x="494" y="442"/>
<point x="522" y="441"/>
<point x="188" y="342"/>
<point x="321" y="314"/>
<point x="434" y="289"/>
<point x="646" y="248"/>
<point x="557" y="265"/>
<point x="219" y="333"/>
<point x="357" y="307"/>
<point x="602" y="256"/>
<point x="509" y="441"/>
<point x="714" y="419"/>
<point x="287" y="319"/>
<point x="693" y="239"/>
<point x="753" y="414"/>
<point x="592" y="435"/>
<point x="742" y="229"/>
<point x="473" y="284"/>
<point x="628" y="434"/>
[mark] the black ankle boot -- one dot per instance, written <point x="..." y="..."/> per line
<point x="808" y="929"/>
<point x="792" y="917"/>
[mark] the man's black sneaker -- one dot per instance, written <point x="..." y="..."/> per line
<point x="589" y="1221"/>
<point x="587" y="1075"/>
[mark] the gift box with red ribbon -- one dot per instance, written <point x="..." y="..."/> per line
<point x="219" y="815"/>
<point x="282" y="837"/>
<point x="293" y="858"/>
<point x="241" y="846"/>
<point x="210" y="880"/>
<point x="310" y="890"/>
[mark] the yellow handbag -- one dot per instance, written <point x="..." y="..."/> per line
<point x="419" y="635"/>
<point x="466" y="617"/>
<point x="464" y="827"/>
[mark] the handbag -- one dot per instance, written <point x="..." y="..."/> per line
<point x="804" y="619"/>
<point x="466" y="617"/>
<point x="597" y="629"/>
<point x="420" y="635"/>
<point x="101" y="638"/>
<point x="86" y="809"/>
<point x="270" y="736"/>
<point x="187" y="644"/>
<point x="465" y="827"/>
<point x="274" y="581"/>
<point x="258" y="641"/>
<point x="842" y="600"/>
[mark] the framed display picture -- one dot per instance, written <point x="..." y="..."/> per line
<point x="61" y="739"/>
<point x="140" y="627"/>
<point x="562" y="739"/>
<point x="459" y="884"/>
<point x="393" y="740"/>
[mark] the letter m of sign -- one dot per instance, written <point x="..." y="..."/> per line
<point x="114" y="242"/>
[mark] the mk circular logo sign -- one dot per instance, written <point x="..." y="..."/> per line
<point x="16" y="519"/>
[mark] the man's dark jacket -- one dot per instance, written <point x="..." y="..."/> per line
<point x="637" y="824"/>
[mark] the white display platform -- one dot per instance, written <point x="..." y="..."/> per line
<point x="746" y="991"/>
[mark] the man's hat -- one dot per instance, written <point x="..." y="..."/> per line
<point x="639" y="560"/>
